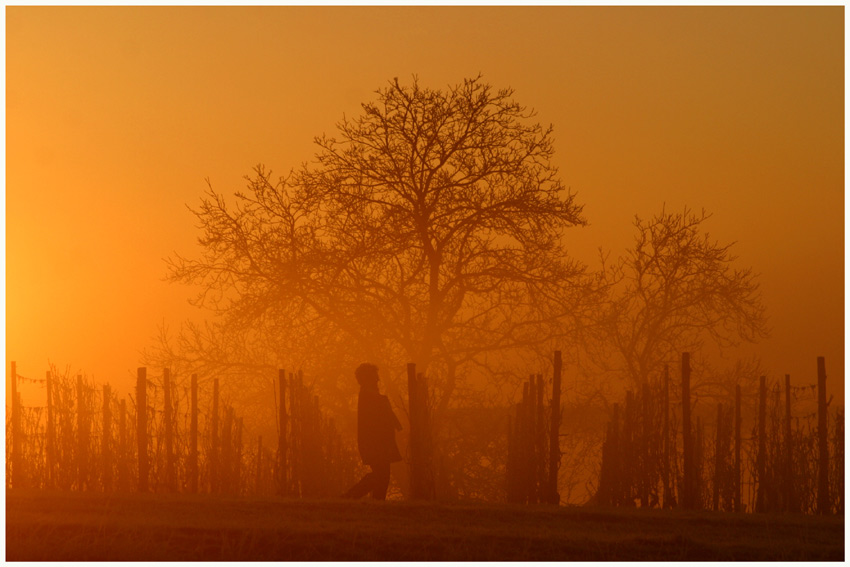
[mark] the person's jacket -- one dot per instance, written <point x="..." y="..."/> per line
<point x="376" y="426"/>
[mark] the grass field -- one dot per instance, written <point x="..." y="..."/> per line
<point x="89" y="527"/>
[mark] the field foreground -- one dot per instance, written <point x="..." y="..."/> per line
<point x="89" y="527"/>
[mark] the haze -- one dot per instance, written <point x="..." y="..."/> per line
<point x="115" y="116"/>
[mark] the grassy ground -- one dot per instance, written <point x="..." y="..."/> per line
<point x="90" y="527"/>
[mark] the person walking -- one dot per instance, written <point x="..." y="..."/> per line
<point x="376" y="427"/>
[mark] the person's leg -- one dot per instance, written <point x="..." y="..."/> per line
<point x="362" y="488"/>
<point x="381" y="480"/>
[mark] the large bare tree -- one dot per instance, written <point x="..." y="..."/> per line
<point x="427" y="230"/>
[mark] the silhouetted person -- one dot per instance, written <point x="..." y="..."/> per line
<point x="376" y="427"/>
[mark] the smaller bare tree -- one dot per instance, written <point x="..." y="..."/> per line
<point x="675" y="290"/>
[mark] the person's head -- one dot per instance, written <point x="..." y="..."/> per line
<point x="367" y="375"/>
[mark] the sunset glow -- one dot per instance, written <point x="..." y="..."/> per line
<point x="121" y="120"/>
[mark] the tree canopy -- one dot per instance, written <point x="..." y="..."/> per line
<point x="675" y="289"/>
<point x="428" y="229"/>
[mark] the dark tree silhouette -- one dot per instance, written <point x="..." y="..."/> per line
<point x="675" y="290"/>
<point x="427" y="230"/>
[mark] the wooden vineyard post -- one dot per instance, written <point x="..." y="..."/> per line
<point x="258" y="485"/>
<point x="737" y="476"/>
<point x="106" y="440"/>
<point x="790" y="497"/>
<point x="193" y="436"/>
<point x="214" y="449"/>
<point x="416" y="465"/>
<point x="718" y="458"/>
<point x="554" y="433"/>
<point x="698" y="464"/>
<point x="529" y="488"/>
<point x="540" y="442"/>
<point x="122" y="446"/>
<point x="296" y="425"/>
<point x="226" y="470"/>
<point x="82" y="438"/>
<point x="237" y="469"/>
<point x="142" y="426"/>
<point x="760" y="457"/>
<point x="281" y="439"/>
<point x="627" y="442"/>
<point x="16" y="476"/>
<point x="421" y="477"/>
<point x="687" y="497"/>
<point x="51" y="431"/>
<point x="823" y="447"/>
<point x="645" y="429"/>
<point x="616" y="477"/>
<point x="668" y="492"/>
<point x="414" y="407"/>
<point x="169" y="431"/>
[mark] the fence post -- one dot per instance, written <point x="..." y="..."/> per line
<point x="687" y="497"/>
<point x="554" y="433"/>
<point x="616" y="476"/>
<point x="646" y="427"/>
<point x="668" y="492"/>
<point x="540" y="442"/>
<point x="699" y="464"/>
<point x="281" y="440"/>
<point x="237" y="473"/>
<point x="142" y="426"/>
<point x="169" y="432"/>
<point x="259" y="464"/>
<point x="214" y="473"/>
<point x="737" y="475"/>
<point x="106" y="440"/>
<point x="82" y="441"/>
<point x="627" y="442"/>
<point x="790" y="498"/>
<point x="415" y="433"/>
<point x="718" y="457"/>
<point x="51" y="431"/>
<point x="193" y="437"/>
<point x="296" y="428"/>
<point x="823" y="453"/>
<point x="227" y="452"/>
<point x="15" y="478"/>
<point x="122" y="446"/>
<point x="760" y="458"/>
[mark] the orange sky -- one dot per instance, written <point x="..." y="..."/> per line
<point x="115" y="116"/>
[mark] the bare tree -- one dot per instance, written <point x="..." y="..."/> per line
<point x="672" y="292"/>
<point x="427" y="230"/>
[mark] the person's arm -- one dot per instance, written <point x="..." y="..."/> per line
<point x="393" y="419"/>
